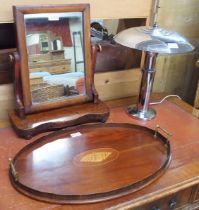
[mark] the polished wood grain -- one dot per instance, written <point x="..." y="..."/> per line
<point x="60" y="164"/>
<point x="182" y="174"/>
<point x="28" y="118"/>
<point x="19" y="109"/>
<point x="19" y="12"/>
<point x="34" y="124"/>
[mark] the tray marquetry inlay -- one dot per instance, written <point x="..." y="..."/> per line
<point x="96" y="156"/>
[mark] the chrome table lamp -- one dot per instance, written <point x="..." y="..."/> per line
<point x="153" y="41"/>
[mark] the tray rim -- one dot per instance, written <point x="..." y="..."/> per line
<point x="95" y="197"/>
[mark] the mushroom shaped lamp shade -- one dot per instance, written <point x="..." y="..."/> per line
<point x="153" y="41"/>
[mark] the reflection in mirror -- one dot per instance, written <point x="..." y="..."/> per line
<point x="55" y="55"/>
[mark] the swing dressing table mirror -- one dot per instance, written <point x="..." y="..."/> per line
<point x="54" y="85"/>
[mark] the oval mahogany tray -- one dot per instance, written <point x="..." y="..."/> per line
<point x="90" y="163"/>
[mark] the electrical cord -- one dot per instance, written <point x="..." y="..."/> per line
<point x="168" y="96"/>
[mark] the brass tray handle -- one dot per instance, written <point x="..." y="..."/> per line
<point x="13" y="170"/>
<point x="66" y="198"/>
<point x="162" y="129"/>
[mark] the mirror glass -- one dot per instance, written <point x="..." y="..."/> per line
<point x="55" y="55"/>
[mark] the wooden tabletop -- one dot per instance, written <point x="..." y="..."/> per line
<point x="183" y="172"/>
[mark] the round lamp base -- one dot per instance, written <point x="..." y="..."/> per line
<point x="142" y="115"/>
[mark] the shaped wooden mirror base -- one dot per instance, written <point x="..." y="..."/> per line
<point x="51" y="91"/>
<point x="36" y="123"/>
<point x="27" y="125"/>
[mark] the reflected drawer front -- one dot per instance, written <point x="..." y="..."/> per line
<point x="174" y="201"/>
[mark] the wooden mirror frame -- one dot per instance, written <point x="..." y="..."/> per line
<point x="29" y="118"/>
<point x="19" y="12"/>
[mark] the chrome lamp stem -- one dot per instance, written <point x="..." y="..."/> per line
<point x="142" y="110"/>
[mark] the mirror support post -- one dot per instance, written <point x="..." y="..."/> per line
<point x="15" y="59"/>
<point x="94" y="49"/>
<point x="49" y="94"/>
